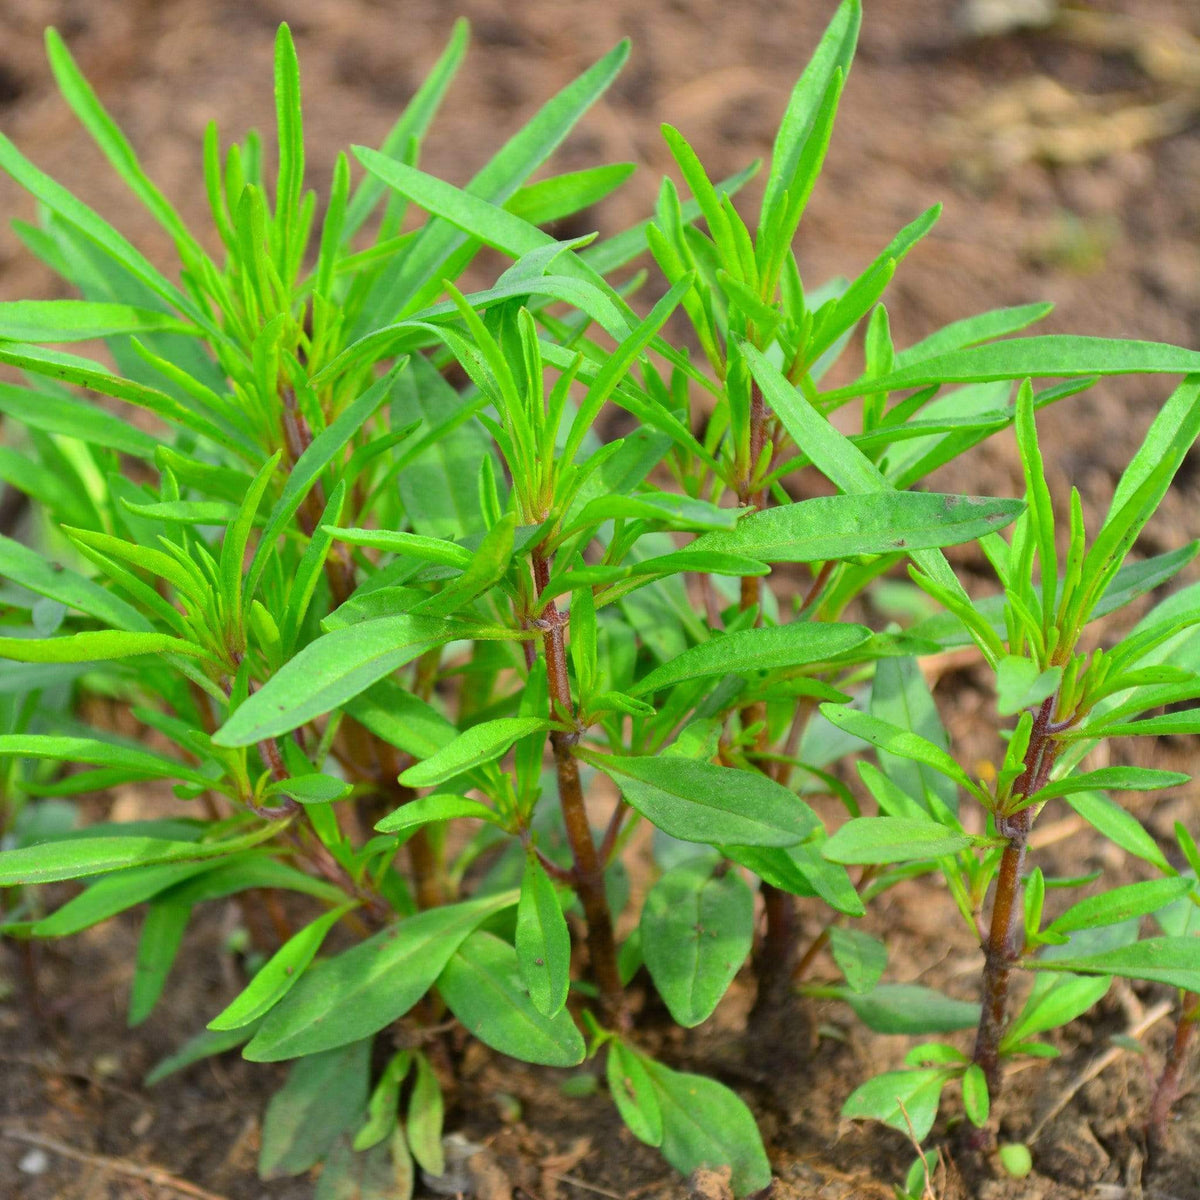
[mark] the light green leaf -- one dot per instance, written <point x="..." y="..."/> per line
<point x="1120" y="904"/>
<point x="1116" y="779"/>
<point x="832" y="527"/>
<point x="81" y="321"/>
<point x="279" y="974"/>
<point x="893" y="839"/>
<point x="162" y="933"/>
<point x="1173" y="961"/>
<point x="328" y="672"/>
<point x="1054" y="1000"/>
<point x="1021" y="684"/>
<point x="424" y="1124"/>
<point x="98" y="645"/>
<point x="634" y="1093"/>
<point x="910" y="1009"/>
<point x="1120" y="827"/>
<point x="76" y="858"/>
<point x="899" y="1097"/>
<point x="901" y="742"/>
<point x="437" y="807"/>
<point x="482" y="743"/>
<point x="860" y="957"/>
<point x="1056" y="355"/>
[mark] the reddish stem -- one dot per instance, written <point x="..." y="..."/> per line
<point x="589" y="867"/>
<point x="1002" y="949"/>
<point x="1170" y="1083"/>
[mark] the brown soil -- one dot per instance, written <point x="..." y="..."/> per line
<point x="1114" y="241"/>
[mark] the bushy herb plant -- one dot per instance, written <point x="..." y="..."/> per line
<point x="401" y="623"/>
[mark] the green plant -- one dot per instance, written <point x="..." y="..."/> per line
<point x="1070" y="696"/>
<point x="393" y="632"/>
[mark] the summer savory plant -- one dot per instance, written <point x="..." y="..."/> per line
<point x="400" y="641"/>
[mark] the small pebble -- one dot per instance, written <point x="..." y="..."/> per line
<point x="34" y="1163"/>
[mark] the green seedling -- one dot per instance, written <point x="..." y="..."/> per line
<point x="399" y="643"/>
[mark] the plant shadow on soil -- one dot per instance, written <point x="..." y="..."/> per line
<point x="74" y="1074"/>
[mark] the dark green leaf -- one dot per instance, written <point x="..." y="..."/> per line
<point x="831" y="527"/>
<point x="910" y="1009"/>
<point x="482" y="986"/>
<point x="696" y="934"/>
<point x="702" y="802"/>
<point x="367" y="987"/>
<point x="324" y="1095"/>
<point x="543" y="941"/>
<point x="760" y="649"/>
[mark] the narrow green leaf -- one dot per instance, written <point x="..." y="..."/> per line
<point x="1120" y="827"/>
<point x="424" y="1123"/>
<point x="766" y="648"/>
<point x="1120" y="904"/>
<point x="1053" y="1001"/>
<point x="860" y="957"/>
<point x="328" y="672"/>
<point x="29" y="569"/>
<point x="1051" y="355"/>
<point x="81" y="321"/>
<point x="162" y="933"/>
<point x="438" y="807"/>
<point x="384" y="1105"/>
<point x="970" y="331"/>
<point x="204" y="1044"/>
<point x="892" y="839"/>
<point x="831" y="527"/>
<point x="835" y="51"/>
<point x="634" y="1093"/>
<point x="113" y="894"/>
<point x="482" y="743"/>
<point x="98" y="753"/>
<point x="411" y="126"/>
<point x="563" y="195"/>
<point x="901" y="742"/>
<point x="912" y="1010"/>
<point x="1173" y="961"/>
<point x="368" y="986"/>
<point x="279" y="974"/>
<point x="543" y="942"/>
<point x="112" y="142"/>
<point x="76" y="858"/>
<point x="96" y="646"/>
<point x="1117" y="779"/>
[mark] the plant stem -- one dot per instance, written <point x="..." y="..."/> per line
<point x="588" y="875"/>
<point x="773" y="962"/>
<point x="1171" y="1080"/>
<point x="1001" y="949"/>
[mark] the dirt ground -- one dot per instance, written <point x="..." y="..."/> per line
<point x="1068" y="160"/>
